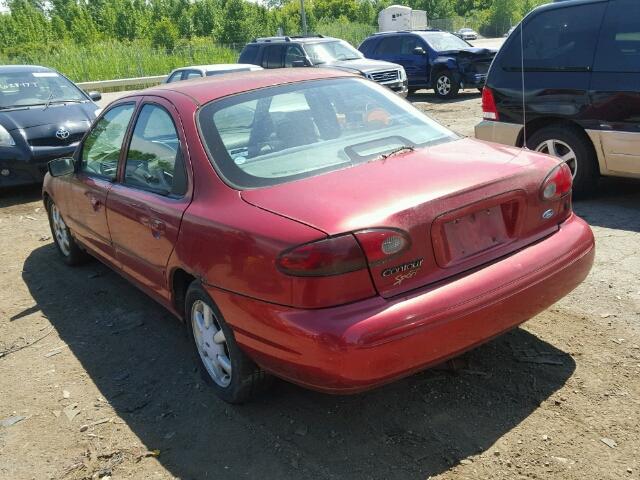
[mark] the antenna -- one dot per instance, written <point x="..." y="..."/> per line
<point x="524" y="101"/>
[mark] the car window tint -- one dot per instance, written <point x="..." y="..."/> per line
<point x="562" y="39"/>
<point x="292" y="54"/>
<point x="193" y="74"/>
<point x="619" y="45"/>
<point x="278" y="134"/>
<point x="154" y="160"/>
<point x="409" y="43"/>
<point x="273" y="57"/>
<point x="101" y="148"/>
<point x="389" y="46"/>
<point x="249" y="54"/>
<point x="175" y="77"/>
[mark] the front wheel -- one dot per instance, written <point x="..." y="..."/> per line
<point x="71" y="252"/>
<point x="234" y="377"/>
<point x="445" y="86"/>
<point x="572" y="147"/>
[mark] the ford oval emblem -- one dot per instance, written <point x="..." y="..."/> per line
<point x="548" y="214"/>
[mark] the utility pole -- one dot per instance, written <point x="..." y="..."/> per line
<point x="303" y="14"/>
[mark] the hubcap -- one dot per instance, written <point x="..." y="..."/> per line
<point x="211" y="343"/>
<point x="561" y="150"/>
<point x="60" y="230"/>
<point x="444" y="85"/>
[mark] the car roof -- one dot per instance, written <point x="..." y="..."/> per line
<point x="396" y="32"/>
<point x="204" y="90"/>
<point x="218" y="67"/>
<point x="23" y="69"/>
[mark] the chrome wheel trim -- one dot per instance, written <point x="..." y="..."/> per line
<point x="211" y="343"/>
<point x="443" y="85"/>
<point x="60" y="231"/>
<point x="559" y="149"/>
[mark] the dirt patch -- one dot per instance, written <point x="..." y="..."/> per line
<point x="109" y="388"/>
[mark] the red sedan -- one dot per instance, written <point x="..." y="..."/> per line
<point x="311" y="225"/>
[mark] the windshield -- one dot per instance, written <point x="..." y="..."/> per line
<point x="19" y="89"/>
<point x="327" y="52"/>
<point x="443" y="41"/>
<point x="285" y="133"/>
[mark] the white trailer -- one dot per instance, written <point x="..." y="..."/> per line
<point x="399" y="17"/>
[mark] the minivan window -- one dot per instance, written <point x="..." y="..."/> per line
<point x="273" y="56"/>
<point x="619" y="46"/>
<point x="284" y="133"/>
<point x="249" y="54"/>
<point x="561" y="39"/>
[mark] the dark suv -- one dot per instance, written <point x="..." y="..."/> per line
<point x="319" y="51"/>
<point x="432" y="59"/>
<point x="581" y="88"/>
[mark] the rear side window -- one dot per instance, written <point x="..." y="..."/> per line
<point x="192" y="74"/>
<point x="249" y="54"/>
<point x="272" y="57"/>
<point x="389" y="46"/>
<point x="154" y="160"/>
<point x="619" y="46"/>
<point x="562" y="39"/>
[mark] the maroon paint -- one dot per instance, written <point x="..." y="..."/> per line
<point x="356" y="330"/>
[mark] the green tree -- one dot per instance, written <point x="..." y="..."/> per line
<point x="164" y="34"/>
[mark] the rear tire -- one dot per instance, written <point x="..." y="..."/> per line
<point x="70" y="251"/>
<point x="232" y="375"/>
<point x="574" y="147"/>
<point x="445" y="85"/>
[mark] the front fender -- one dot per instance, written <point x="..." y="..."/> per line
<point x="445" y="63"/>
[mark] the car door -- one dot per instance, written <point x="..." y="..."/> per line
<point x="145" y="207"/>
<point x="416" y="65"/>
<point x="615" y="87"/>
<point x="388" y="48"/>
<point x="88" y="188"/>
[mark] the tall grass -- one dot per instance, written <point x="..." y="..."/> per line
<point x="113" y="59"/>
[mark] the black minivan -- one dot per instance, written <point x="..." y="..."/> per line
<point x="580" y="88"/>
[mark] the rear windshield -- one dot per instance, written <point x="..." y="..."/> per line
<point x="284" y="133"/>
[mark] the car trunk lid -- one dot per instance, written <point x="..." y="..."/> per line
<point x="460" y="209"/>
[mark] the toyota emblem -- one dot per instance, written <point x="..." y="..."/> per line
<point x="62" y="133"/>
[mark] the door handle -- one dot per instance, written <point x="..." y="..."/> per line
<point x="158" y="227"/>
<point x="95" y="202"/>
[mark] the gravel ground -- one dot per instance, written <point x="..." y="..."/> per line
<point x="107" y="387"/>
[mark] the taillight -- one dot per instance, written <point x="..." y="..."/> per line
<point x="382" y="244"/>
<point x="489" y="108"/>
<point x="557" y="184"/>
<point x="330" y="256"/>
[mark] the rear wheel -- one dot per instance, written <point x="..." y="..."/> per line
<point x="234" y="377"/>
<point x="445" y="85"/>
<point x="572" y="147"/>
<point x="71" y="252"/>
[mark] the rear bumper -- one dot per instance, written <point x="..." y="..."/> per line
<point x="498" y="132"/>
<point x="358" y="346"/>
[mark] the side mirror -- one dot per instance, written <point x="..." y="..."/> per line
<point x="419" y="51"/>
<point x="95" y="96"/>
<point x="298" y="63"/>
<point x="61" y="166"/>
